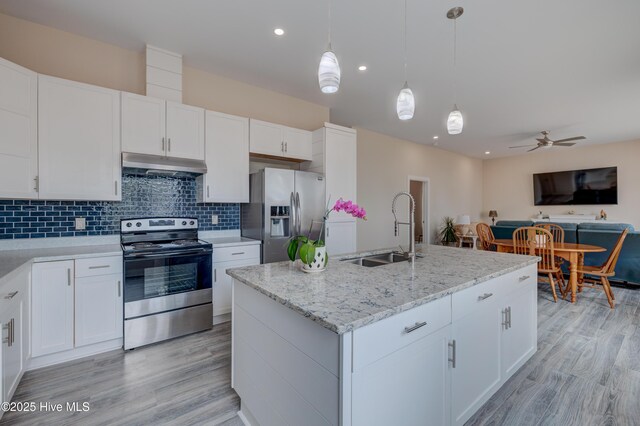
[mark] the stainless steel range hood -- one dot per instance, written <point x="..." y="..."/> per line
<point x="159" y="165"/>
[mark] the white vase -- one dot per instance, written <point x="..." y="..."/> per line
<point x="319" y="261"/>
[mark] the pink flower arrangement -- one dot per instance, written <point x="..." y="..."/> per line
<point x="349" y="207"/>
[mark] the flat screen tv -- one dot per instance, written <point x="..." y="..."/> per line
<point x="576" y="187"/>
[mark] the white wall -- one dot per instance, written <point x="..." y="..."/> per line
<point x="508" y="182"/>
<point x="384" y="165"/>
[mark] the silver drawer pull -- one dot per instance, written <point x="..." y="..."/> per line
<point x="99" y="267"/>
<point x="415" y="327"/>
<point x="235" y="254"/>
<point x="524" y="278"/>
<point x="11" y="295"/>
<point x="484" y="296"/>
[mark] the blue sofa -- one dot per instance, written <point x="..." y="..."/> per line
<point x="599" y="234"/>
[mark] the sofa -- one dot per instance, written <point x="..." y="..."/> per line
<point x="599" y="234"/>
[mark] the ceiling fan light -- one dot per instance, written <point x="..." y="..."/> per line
<point x="329" y="72"/>
<point x="406" y="104"/>
<point x="455" y="122"/>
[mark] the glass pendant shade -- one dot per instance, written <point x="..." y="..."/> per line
<point x="329" y="72"/>
<point x="455" y="123"/>
<point x="406" y="104"/>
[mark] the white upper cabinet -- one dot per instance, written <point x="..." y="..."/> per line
<point x="185" y="131"/>
<point x="143" y="124"/>
<point x="19" y="131"/>
<point x="227" y="158"/>
<point x="79" y="141"/>
<point x="297" y="143"/>
<point x="158" y="127"/>
<point x="275" y="140"/>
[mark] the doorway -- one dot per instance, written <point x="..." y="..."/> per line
<point x="419" y="189"/>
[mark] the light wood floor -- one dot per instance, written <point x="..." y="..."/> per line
<point x="586" y="372"/>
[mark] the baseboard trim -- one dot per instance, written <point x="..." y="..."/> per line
<point x="73" y="354"/>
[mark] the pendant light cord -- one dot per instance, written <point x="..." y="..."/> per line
<point x="405" y="41"/>
<point x="329" y="24"/>
<point x="455" y="51"/>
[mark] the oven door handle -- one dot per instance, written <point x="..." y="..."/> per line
<point x="167" y="254"/>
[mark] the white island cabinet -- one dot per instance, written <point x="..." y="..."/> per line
<point x="318" y="350"/>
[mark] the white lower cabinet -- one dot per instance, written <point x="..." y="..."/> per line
<point x="408" y="386"/>
<point x="14" y="319"/>
<point x="226" y="258"/>
<point x="476" y="375"/>
<point x="520" y="311"/>
<point x="52" y="307"/>
<point x="75" y="304"/>
<point x="98" y="309"/>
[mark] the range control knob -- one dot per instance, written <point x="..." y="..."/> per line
<point x="191" y="223"/>
<point x="129" y="224"/>
<point x="138" y="224"/>
<point x="184" y="222"/>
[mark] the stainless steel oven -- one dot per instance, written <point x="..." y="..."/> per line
<point x="167" y="280"/>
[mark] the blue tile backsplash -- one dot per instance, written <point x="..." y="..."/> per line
<point x="142" y="196"/>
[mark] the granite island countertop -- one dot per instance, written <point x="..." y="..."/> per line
<point x="348" y="296"/>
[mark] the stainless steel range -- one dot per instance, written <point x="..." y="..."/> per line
<point x="167" y="280"/>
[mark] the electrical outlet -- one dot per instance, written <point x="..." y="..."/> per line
<point x="81" y="223"/>
<point x="214" y="219"/>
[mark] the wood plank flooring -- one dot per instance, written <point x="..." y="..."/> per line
<point x="586" y="372"/>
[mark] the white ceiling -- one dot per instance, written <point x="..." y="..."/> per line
<point x="570" y="66"/>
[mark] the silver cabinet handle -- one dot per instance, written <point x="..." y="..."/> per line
<point x="509" y="316"/>
<point x="37" y="183"/>
<point x="215" y="275"/>
<point x="208" y="191"/>
<point x="286" y="147"/>
<point x="484" y="296"/>
<point x="11" y="295"/>
<point x="99" y="267"/>
<point x="162" y="144"/>
<point x="237" y="253"/>
<point x="415" y="327"/>
<point x="119" y="288"/>
<point x="69" y="277"/>
<point x="116" y="186"/>
<point x="452" y="360"/>
<point x="524" y="278"/>
<point x="169" y="144"/>
<point x="327" y="232"/>
<point x="282" y="146"/>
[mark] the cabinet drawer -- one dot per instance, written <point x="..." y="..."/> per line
<point x="226" y="254"/>
<point x="98" y="266"/>
<point x="467" y="301"/>
<point x="379" y="339"/>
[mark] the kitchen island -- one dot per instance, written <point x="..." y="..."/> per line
<point x="393" y="344"/>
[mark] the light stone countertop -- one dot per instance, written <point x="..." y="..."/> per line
<point x="12" y="260"/>
<point x="348" y="296"/>
<point x="219" y="242"/>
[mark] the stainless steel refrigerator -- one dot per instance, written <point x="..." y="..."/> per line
<point x="282" y="203"/>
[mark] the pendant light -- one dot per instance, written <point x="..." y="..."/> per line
<point x="455" y="123"/>
<point x="406" y="103"/>
<point x="329" y="69"/>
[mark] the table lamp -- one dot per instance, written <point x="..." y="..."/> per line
<point x="493" y="214"/>
<point x="463" y="219"/>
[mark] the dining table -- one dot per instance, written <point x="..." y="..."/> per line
<point x="572" y="252"/>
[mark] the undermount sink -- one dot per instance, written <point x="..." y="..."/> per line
<point x="378" y="259"/>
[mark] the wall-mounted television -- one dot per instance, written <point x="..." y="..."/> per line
<point x="576" y="187"/>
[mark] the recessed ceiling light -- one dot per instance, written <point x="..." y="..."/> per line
<point x="278" y="31"/>
<point x="362" y="68"/>
<point x="487" y="152"/>
<point x="435" y="137"/>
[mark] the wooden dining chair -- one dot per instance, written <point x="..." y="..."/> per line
<point x="557" y="232"/>
<point x="536" y="241"/>
<point x="485" y="235"/>
<point x="605" y="271"/>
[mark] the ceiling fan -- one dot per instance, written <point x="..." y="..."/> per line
<point x="545" y="142"/>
